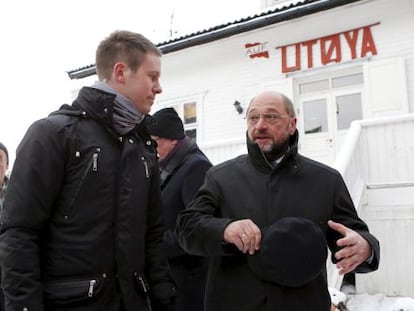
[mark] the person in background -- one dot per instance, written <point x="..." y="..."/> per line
<point x="266" y="218"/>
<point x="4" y="165"/>
<point x="182" y="169"/>
<point x="82" y="227"/>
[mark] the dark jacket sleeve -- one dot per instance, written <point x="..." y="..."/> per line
<point x="192" y="179"/>
<point x="157" y="269"/>
<point x="344" y="212"/>
<point x="34" y="184"/>
<point x="199" y="228"/>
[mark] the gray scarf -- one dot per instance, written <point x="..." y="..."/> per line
<point x="126" y="117"/>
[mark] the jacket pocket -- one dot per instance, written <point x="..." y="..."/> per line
<point x="73" y="290"/>
<point x="91" y="166"/>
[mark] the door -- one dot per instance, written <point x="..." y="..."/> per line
<point x="326" y="107"/>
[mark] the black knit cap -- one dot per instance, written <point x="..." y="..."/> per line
<point x="293" y="252"/>
<point x="3" y="147"/>
<point x="166" y="124"/>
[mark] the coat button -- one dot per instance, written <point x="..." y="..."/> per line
<point x="131" y="141"/>
<point x="148" y="143"/>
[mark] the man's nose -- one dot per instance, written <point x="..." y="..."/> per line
<point x="158" y="88"/>
<point x="261" y="123"/>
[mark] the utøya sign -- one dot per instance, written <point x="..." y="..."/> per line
<point x="356" y="43"/>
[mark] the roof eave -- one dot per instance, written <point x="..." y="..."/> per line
<point x="249" y="25"/>
<point x="231" y="29"/>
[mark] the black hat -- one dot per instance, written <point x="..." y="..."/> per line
<point x="166" y="124"/>
<point x="3" y="147"/>
<point x="293" y="252"/>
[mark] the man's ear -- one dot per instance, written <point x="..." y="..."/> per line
<point x="292" y="125"/>
<point x="119" y="72"/>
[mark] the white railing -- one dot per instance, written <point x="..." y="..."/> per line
<point x="377" y="151"/>
<point x="223" y="150"/>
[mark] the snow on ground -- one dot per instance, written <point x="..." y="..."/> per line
<point x="379" y="302"/>
<point x="366" y="302"/>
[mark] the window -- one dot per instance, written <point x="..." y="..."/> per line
<point x="331" y="101"/>
<point x="313" y="86"/>
<point x="316" y="119"/>
<point x="348" y="109"/>
<point x="353" y="79"/>
<point x="187" y="110"/>
<point x="190" y="113"/>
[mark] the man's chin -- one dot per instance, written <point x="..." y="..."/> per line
<point x="265" y="147"/>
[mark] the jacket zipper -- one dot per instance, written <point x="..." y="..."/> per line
<point x="92" y="164"/>
<point x="95" y="160"/>
<point x="91" y="286"/>
<point x="145" y="288"/>
<point x="147" y="172"/>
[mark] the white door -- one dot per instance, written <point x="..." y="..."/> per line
<point x="316" y="129"/>
<point x="326" y="107"/>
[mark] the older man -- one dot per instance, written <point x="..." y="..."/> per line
<point x="183" y="167"/>
<point x="265" y="219"/>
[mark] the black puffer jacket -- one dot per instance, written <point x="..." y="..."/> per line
<point x="82" y="218"/>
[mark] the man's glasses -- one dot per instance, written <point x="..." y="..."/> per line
<point x="271" y="118"/>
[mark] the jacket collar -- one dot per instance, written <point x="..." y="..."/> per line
<point x="96" y="103"/>
<point x="258" y="159"/>
<point x="91" y="103"/>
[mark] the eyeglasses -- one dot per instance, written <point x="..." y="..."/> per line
<point x="271" y="118"/>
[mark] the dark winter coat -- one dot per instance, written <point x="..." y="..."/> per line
<point x="82" y="218"/>
<point x="249" y="187"/>
<point x="186" y="167"/>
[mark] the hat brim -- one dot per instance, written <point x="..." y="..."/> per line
<point x="293" y="252"/>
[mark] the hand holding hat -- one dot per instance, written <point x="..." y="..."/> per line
<point x="293" y="252"/>
<point x="245" y="234"/>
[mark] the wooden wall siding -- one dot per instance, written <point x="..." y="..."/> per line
<point x="389" y="150"/>
<point x="389" y="212"/>
<point x="224" y="150"/>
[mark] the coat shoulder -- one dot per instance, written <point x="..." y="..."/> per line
<point x="229" y="164"/>
<point x="314" y="165"/>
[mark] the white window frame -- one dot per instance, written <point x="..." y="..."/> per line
<point x="178" y="104"/>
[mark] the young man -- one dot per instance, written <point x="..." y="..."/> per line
<point x="265" y="219"/>
<point x="82" y="227"/>
<point x="182" y="167"/>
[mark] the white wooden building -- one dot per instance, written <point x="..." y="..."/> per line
<point x="340" y="61"/>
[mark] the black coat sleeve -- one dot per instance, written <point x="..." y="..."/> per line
<point x="344" y="212"/>
<point x="200" y="227"/>
<point x="157" y="270"/>
<point x="189" y="177"/>
<point x="34" y="184"/>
